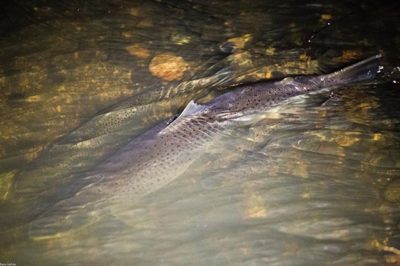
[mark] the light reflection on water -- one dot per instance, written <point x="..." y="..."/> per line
<point x="309" y="184"/>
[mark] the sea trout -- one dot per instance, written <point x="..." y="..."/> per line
<point x="159" y="156"/>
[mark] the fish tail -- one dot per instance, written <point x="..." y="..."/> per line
<point x="362" y="71"/>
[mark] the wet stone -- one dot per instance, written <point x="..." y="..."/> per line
<point x="168" y="66"/>
<point x="138" y="51"/>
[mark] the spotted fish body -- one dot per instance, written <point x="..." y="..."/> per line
<point x="155" y="158"/>
<point x="160" y="155"/>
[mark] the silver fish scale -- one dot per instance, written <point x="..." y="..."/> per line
<point x="258" y="97"/>
<point x="157" y="160"/>
<point x="175" y="151"/>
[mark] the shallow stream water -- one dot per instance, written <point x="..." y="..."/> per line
<point x="316" y="182"/>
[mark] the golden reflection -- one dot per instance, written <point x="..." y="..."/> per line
<point x="138" y="50"/>
<point x="270" y="50"/>
<point x="348" y="55"/>
<point x="168" y="66"/>
<point x="394" y="257"/>
<point x="180" y="39"/>
<point x="242" y="59"/>
<point x="240" y="42"/>
<point x="346" y="139"/>
<point x="326" y="17"/>
<point x="378" y="137"/>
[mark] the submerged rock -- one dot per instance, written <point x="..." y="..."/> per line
<point x="168" y="66"/>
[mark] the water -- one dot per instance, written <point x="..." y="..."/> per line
<point x="315" y="182"/>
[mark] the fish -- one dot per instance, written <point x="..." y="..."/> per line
<point x="162" y="154"/>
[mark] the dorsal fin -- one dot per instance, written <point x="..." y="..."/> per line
<point x="191" y="109"/>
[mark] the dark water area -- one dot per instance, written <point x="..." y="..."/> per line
<point x="315" y="182"/>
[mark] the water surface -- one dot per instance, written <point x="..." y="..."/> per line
<point x="315" y="182"/>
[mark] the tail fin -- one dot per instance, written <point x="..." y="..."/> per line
<point x="361" y="71"/>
